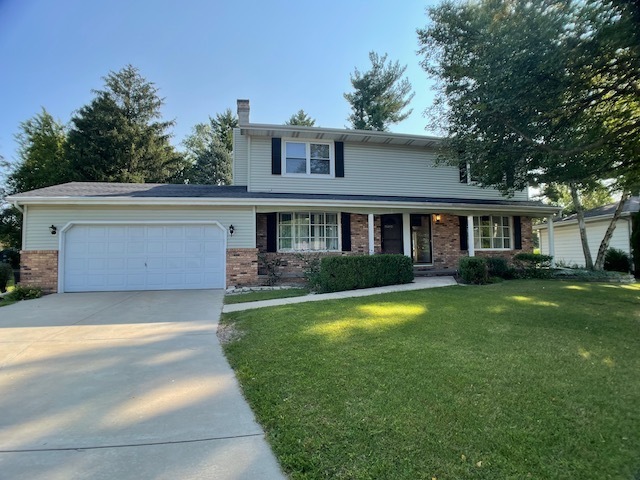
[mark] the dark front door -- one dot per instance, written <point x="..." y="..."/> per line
<point x="392" y="233"/>
<point x="421" y="238"/>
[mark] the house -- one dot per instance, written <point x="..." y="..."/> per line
<point x="566" y="236"/>
<point x="297" y="193"/>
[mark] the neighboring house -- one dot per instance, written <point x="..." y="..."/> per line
<point x="566" y="235"/>
<point x="298" y="193"/>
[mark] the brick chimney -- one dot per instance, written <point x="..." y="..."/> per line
<point x="243" y="112"/>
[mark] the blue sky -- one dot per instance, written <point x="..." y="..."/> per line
<point x="203" y="55"/>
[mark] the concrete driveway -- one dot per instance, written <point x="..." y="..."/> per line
<point x="129" y="385"/>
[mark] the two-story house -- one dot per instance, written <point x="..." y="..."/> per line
<point x="297" y="192"/>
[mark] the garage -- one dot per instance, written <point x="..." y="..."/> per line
<point x="142" y="256"/>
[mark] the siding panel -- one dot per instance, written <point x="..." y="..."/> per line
<point x="372" y="170"/>
<point x="40" y="217"/>
<point x="568" y="247"/>
<point x="240" y="158"/>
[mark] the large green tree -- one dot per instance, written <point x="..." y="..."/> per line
<point x="301" y="118"/>
<point x="380" y="95"/>
<point x="543" y="92"/>
<point x="121" y="137"/>
<point x="209" y="150"/>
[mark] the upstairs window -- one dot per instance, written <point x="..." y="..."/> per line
<point x="308" y="158"/>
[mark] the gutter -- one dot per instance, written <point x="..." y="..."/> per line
<point x="16" y="205"/>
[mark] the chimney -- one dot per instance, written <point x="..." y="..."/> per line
<point x="243" y="112"/>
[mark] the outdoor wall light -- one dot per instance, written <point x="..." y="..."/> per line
<point x="232" y="229"/>
<point x="437" y="218"/>
<point x="53" y="229"/>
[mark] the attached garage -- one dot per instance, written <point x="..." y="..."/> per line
<point x="142" y="256"/>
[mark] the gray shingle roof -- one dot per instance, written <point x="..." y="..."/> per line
<point x="159" y="190"/>
<point x="632" y="205"/>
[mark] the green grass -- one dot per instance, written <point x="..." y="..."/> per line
<point x="264" y="295"/>
<point x="522" y="379"/>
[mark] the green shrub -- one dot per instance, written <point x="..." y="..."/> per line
<point x="635" y="243"/>
<point x="6" y="274"/>
<point x="533" y="265"/>
<point x="363" y="271"/>
<point x="272" y="266"/>
<point x="10" y="256"/>
<point x="498" y="267"/>
<point x="473" y="270"/>
<point x="25" y="292"/>
<point x="617" y="261"/>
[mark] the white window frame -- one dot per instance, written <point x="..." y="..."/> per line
<point x="478" y="238"/>
<point x="293" y="213"/>
<point x="307" y="143"/>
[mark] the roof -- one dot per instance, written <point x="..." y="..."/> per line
<point x="154" y="193"/>
<point x="632" y="205"/>
<point x="340" y="135"/>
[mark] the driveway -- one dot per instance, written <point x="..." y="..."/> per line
<point x="129" y="385"/>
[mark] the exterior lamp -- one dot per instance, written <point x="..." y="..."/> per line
<point x="437" y="218"/>
<point x="232" y="229"/>
<point x="53" y="229"/>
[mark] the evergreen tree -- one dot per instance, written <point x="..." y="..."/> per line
<point x="209" y="153"/>
<point x="301" y="119"/>
<point x="380" y="95"/>
<point x="120" y="137"/>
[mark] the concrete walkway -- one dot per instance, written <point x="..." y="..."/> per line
<point x="130" y="385"/>
<point x="419" y="283"/>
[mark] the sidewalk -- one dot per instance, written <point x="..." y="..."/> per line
<point x="420" y="283"/>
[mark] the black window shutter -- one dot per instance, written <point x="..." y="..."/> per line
<point x="345" y="220"/>
<point x="339" y="159"/>
<point x="463" y="173"/>
<point x="464" y="233"/>
<point x="517" y="233"/>
<point x="276" y="156"/>
<point x="272" y="232"/>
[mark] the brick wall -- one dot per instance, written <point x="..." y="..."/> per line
<point x="446" y="243"/>
<point x="39" y="268"/>
<point x="242" y="267"/>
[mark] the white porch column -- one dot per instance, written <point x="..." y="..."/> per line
<point x="552" y="247"/>
<point x="371" y="225"/>
<point x="470" y="242"/>
<point x="406" y="234"/>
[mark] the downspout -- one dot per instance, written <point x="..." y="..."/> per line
<point x="17" y="206"/>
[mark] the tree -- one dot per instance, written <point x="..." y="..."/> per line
<point x="539" y="92"/>
<point x="380" y="95"/>
<point x="41" y="155"/>
<point x="208" y="152"/>
<point x="119" y="136"/>
<point x="223" y="125"/>
<point x="560" y="195"/>
<point x="301" y="119"/>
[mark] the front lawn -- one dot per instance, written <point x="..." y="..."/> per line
<point x="264" y="295"/>
<point x="522" y="379"/>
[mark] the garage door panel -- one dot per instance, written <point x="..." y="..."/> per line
<point x="137" y="257"/>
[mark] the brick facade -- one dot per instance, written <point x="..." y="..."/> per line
<point x="242" y="267"/>
<point x="39" y="268"/>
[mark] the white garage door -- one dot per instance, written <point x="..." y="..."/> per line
<point x="143" y="257"/>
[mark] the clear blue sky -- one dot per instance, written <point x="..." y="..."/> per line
<point x="203" y="55"/>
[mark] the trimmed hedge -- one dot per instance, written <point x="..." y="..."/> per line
<point x="473" y="270"/>
<point x="362" y="271"/>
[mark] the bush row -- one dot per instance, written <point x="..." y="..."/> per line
<point x="479" y="270"/>
<point x="361" y="271"/>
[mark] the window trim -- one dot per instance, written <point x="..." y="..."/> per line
<point x="307" y="143"/>
<point x="310" y="212"/>
<point x="491" y="249"/>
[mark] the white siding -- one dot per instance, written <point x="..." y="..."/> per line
<point x="371" y="170"/>
<point x="39" y="219"/>
<point x="240" y="158"/>
<point x="568" y="247"/>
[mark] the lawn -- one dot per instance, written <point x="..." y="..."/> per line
<point x="522" y="379"/>
<point x="264" y="295"/>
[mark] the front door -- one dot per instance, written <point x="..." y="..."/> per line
<point x="392" y="234"/>
<point x="421" y="238"/>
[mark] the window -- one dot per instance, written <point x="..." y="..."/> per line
<point x="308" y="231"/>
<point x="308" y="158"/>
<point x="466" y="175"/>
<point x="492" y="232"/>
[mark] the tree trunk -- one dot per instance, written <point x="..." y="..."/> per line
<point x="604" y="245"/>
<point x="588" y="261"/>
